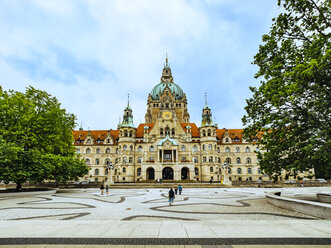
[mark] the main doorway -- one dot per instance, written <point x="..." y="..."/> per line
<point x="150" y="174"/>
<point x="168" y="173"/>
<point x="185" y="173"/>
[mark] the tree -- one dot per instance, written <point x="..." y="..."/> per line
<point x="36" y="141"/>
<point x="290" y="110"/>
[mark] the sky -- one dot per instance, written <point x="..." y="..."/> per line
<point x="90" y="54"/>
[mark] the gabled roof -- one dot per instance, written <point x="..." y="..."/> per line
<point x="194" y="129"/>
<point x="140" y="129"/>
<point x="96" y="134"/>
<point x="169" y="139"/>
<point x="232" y="132"/>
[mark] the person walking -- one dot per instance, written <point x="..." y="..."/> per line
<point x="171" y="197"/>
<point x="107" y="189"/>
<point x="176" y="189"/>
<point x="102" y="189"/>
<point x="180" y="188"/>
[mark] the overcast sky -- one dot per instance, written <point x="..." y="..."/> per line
<point x="91" y="54"/>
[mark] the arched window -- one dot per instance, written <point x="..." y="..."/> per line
<point x="228" y="160"/>
<point x="183" y="148"/>
<point x="131" y="134"/>
<point x="237" y="149"/>
<point x="125" y="148"/>
<point x="211" y="169"/>
<point x="151" y="148"/>
<point x="97" y="161"/>
<point x="140" y="148"/>
<point x="106" y="171"/>
<point x="219" y="160"/>
<point x="87" y="161"/>
<point x="247" y="149"/>
<point x="195" y="159"/>
<point x="124" y="170"/>
<point x="173" y="131"/>
<point x="209" y="132"/>
<point x="226" y="139"/>
<point x="116" y="150"/>
<point x="249" y="170"/>
<point x="204" y="147"/>
<point x="195" y="148"/>
<point x="238" y="161"/>
<point x="140" y="159"/>
<point x="239" y="170"/>
<point x="248" y="160"/>
<point x="161" y="131"/>
<point x="210" y="147"/>
<point x="107" y="161"/>
<point x="108" y="150"/>
<point x="108" y="141"/>
<point x="227" y="149"/>
<point x="204" y="133"/>
<point x="88" y="150"/>
<point x="196" y="171"/>
<point x="96" y="172"/>
<point x="218" y="150"/>
<point x="259" y="171"/>
<point x="97" y="150"/>
<point x="125" y="133"/>
<point x="138" y="172"/>
<point x="131" y="148"/>
<point x="229" y="171"/>
<point x="78" y="150"/>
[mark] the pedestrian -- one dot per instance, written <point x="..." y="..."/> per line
<point x="102" y="188"/>
<point x="171" y="197"/>
<point x="176" y="189"/>
<point x="107" y="189"/>
<point x="180" y="188"/>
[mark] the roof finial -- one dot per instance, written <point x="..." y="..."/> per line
<point x="166" y="59"/>
<point x="206" y="99"/>
<point x="128" y="100"/>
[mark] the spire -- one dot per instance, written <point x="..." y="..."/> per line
<point x="166" y="59"/>
<point x="81" y="126"/>
<point x="128" y="100"/>
<point x="206" y="99"/>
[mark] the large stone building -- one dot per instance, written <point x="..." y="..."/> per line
<point x="168" y="146"/>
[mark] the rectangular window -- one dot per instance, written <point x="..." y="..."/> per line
<point x="211" y="169"/>
<point x="139" y="160"/>
<point x="204" y="159"/>
<point x="130" y="159"/>
<point x="124" y="170"/>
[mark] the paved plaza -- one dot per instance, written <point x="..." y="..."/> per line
<point x="232" y="217"/>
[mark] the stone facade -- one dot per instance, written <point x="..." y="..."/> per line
<point x="167" y="146"/>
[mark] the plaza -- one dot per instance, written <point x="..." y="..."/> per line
<point x="201" y="217"/>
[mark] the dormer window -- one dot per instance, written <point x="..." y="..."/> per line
<point x="88" y="141"/>
<point x="108" y="141"/>
<point x="226" y="139"/>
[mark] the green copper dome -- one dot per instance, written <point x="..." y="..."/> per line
<point x="158" y="90"/>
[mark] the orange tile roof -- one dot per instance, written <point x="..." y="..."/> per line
<point x="233" y="133"/>
<point x="96" y="134"/>
<point x="140" y="129"/>
<point x="194" y="129"/>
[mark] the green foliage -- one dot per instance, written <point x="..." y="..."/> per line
<point x="291" y="108"/>
<point x="36" y="141"/>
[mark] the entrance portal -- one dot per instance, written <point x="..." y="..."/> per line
<point x="150" y="174"/>
<point x="185" y="173"/>
<point x="168" y="173"/>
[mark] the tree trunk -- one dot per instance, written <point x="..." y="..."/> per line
<point x="18" y="186"/>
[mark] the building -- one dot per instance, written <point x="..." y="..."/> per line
<point x="168" y="146"/>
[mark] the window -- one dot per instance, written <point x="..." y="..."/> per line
<point x="123" y="169"/>
<point x="139" y="160"/>
<point x="96" y="172"/>
<point x="125" y="133"/>
<point x="140" y="148"/>
<point x="249" y="170"/>
<point x="218" y="150"/>
<point x="211" y="169"/>
<point x="204" y="133"/>
<point x="125" y="148"/>
<point x="228" y="160"/>
<point x="123" y="178"/>
<point x="78" y="150"/>
<point x="108" y="141"/>
<point x="183" y="159"/>
<point x="259" y="171"/>
<point x="151" y="149"/>
<point x="227" y="140"/>
<point x="248" y="160"/>
<point x="97" y="161"/>
<point x="209" y="132"/>
<point x="88" y="150"/>
<point x="124" y="160"/>
<point x="183" y="148"/>
<point x="195" y="159"/>
<point x="238" y="161"/>
<point x="87" y="161"/>
<point x="116" y="161"/>
<point x="239" y="170"/>
<point x="108" y="150"/>
<point x="97" y="150"/>
<point x="196" y="171"/>
<point x="227" y="149"/>
<point x="131" y="148"/>
<point x="151" y="158"/>
<point x="96" y="180"/>
<point x="237" y="149"/>
<point x="247" y="149"/>
<point x="210" y="147"/>
<point x="106" y="171"/>
<point x="107" y="161"/>
<point x="229" y="171"/>
<point x="204" y="147"/>
<point x="161" y="131"/>
<point x="204" y="159"/>
<point x="88" y="141"/>
<point x="139" y="172"/>
<point x="173" y="131"/>
<point x="210" y="159"/>
<point x="218" y="160"/>
<point x="116" y="150"/>
<point x="130" y="159"/>
<point x="195" y="148"/>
